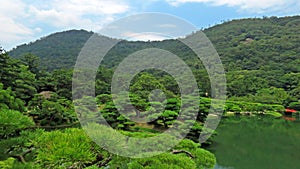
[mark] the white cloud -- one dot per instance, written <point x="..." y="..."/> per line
<point x="253" y="6"/>
<point x="145" y="36"/>
<point x="78" y="13"/>
<point x="166" y="26"/>
<point x="12" y="8"/>
<point x="12" y="30"/>
<point x="22" y="20"/>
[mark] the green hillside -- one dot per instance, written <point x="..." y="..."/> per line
<point x="39" y="127"/>
<point x="56" y="51"/>
<point x="257" y="54"/>
<point x="250" y="44"/>
<point x="245" y="44"/>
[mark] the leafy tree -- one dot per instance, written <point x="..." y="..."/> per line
<point x="250" y="49"/>
<point x="32" y="61"/>
<point x="25" y="84"/>
<point x="295" y="93"/>
<point x="166" y="118"/>
<point x="12" y="122"/>
<point x="45" y="82"/>
<point x="21" y="147"/>
<point x="63" y="82"/>
<point x="204" y="107"/>
<point x="173" y="104"/>
<point x="8" y="100"/>
<point x="195" y="132"/>
<point x="153" y="113"/>
<point x="144" y="84"/>
<point x="103" y="80"/>
<point x="202" y="157"/>
<point x="6" y="72"/>
<point x="271" y="96"/>
<point x="17" y="76"/>
<point x="52" y="111"/>
<point x="103" y="98"/>
<point x="262" y="75"/>
<point x="233" y="108"/>
<point x="112" y="116"/>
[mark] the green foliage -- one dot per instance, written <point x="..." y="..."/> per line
<point x="112" y="116"/>
<point x="262" y="77"/>
<point x="160" y="117"/>
<point x="274" y="114"/>
<point x="163" y="161"/>
<point x="103" y="98"/>
<point x="57" y="51"/>
<point x="7" y="164"/>
<point x="32" y="61"/>
<point x="144" y="84"/>
<point x="295" y="105"/>
<point x="254" y="107"/>
<point x="51" y="112"/>
<point x="202" y="158"/>
<point x="241" y="83"/>
<point x="29" y="165"/>
<point x="45" y="82"/>
<point x="12" y="121"/>
<point x="62" y="80"/>
<point x="173" y="104"/>
<point x="195" y="132"/>
<point x="103" y="80"/>
<point x="167" y="118"/>
<point x="16" y="75"/>
<point x="186" y="148"/>
<point x="251" y="51"/>
<point x="271" y="96"/>
<point x="233" y="108"/>
<point x="63" y="149"/>
<point x="8" y="100"/>
<point x="204" y="108"/>
<point x="20" y="146"/>
<point x="24" y="85"/>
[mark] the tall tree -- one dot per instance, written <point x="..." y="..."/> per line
<point x="32" y="61"/>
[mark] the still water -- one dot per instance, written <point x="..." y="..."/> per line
<point x="257" y="143"/>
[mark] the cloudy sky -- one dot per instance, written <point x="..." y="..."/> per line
<point x="23" y="21"/>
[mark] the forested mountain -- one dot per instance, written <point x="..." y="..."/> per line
<point x="250" y="44"/>
<point x="257" y="53"/>
<point x="246" y="44"/>
<point x="56" y="51"/>
<point x="260" y="56"/>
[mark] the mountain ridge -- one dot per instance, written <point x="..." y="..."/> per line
<point x="260" y="55"/>
<point x="226" y="37"/>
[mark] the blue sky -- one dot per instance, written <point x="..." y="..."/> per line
<point x="23" y="21"/>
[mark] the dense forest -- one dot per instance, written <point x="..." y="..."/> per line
<point x="40" y="129"/>
<point x="255" y="59"/>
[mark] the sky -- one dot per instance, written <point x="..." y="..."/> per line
<point x="23" y="21"/>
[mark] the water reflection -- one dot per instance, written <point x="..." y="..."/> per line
<point x="257" y="143"/>
<point x="221" y="167"/>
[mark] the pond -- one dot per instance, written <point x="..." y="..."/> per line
<point x="259" y="142"/>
